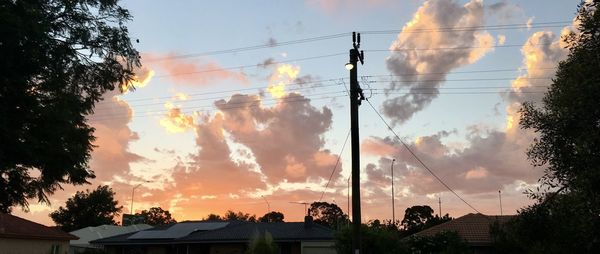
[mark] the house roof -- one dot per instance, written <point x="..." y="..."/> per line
<point x="233" y="231"/>
<point x="15" y="227"/>
<point x="88" y="234"/>
<point x="473" y="228"/>
<point x="281" y="231"/>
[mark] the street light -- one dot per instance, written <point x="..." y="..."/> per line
<point x="132" y="192"/>
<point x="349" y="66"/>
<point x="393" y="206"/>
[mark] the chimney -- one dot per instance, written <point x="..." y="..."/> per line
<point x="308" y="221"/>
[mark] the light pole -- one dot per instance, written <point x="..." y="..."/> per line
<point x="132" y="192"/>
<point x="393" y="206"/>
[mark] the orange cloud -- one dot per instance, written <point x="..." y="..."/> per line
<point x="190" y="72"/>
<point x="375" y="146"/>
<point x="175" y="121"/>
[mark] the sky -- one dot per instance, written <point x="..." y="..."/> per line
<point x="243" y="106"/>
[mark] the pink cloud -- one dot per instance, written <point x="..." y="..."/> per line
<point x="199" y="72"/>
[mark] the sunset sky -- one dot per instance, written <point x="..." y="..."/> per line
<point x="243" y="102"/>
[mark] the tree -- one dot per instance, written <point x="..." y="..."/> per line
<point x="272" y="217"/>
<point x="156" y="216"/>
<point x="87" y="209"/>
<point x="214" y="217"/>
<point x="417" y="218"/>
<point x="58" y="58"/>
<point x="327" y="214"/>
<point x="567" y="123"/>
<point x="262" y="244"/>
<point x="566" y="216"/>
<point x="231" y="215"/>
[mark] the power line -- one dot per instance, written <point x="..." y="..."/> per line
<point x="453" y="48"/>
<point x="281" y="101"/>
<point x="552" y="24"/>
<point x="329" y="85"/>
<point x="334" y="167"/>
<point x="250" y="65"/>
<point x="457" y="80"/>
<point x="457" y="72"/>
<point x="419" y="160"/>
<point x="297" y="83"/>
<point x="364" y="76"/>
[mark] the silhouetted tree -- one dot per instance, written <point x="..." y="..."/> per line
<point x="156" y="216"/>
<point x="327" y="214"/>
<point x="565" y="218"/>
<point x="417" y="218"/>
<point x="231" y="215"/>
<point x="213" y="216"/>
<point x="87" y="209"/>
<point x="58" y="58"/>
<point x="272" y="217"/>
<point x="262" y="244"/>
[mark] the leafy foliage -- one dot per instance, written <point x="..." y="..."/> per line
<point x="417" y="218"/>
<point x="443" y="242"/>
<point x="213" y="217"/>
<point x="272" y="217"/>
<point x="566" y="217"/>
<point x="58" y="58"/>
<point x="262" y="244"/>
<point x="87" y="209"/>
<point x="378" y="238"/>
<point x="156" y="216"/>
<point x="327" y="214"/>
<point x="231" y="215"/>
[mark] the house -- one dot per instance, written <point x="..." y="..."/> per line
<point x="88" y="234"/>
<point x="473" y="228"/>
<point x="18" y="235"/>
<point x="230" y="237"/>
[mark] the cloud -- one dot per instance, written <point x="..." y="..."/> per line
<point x="377" y="147"/>
<point x="286" y="139"/>
<point x="541" y="54"/>
<point x="333" y="6"/>
<point x="198" y="72"/>
<point x="420" y="69"/>
<point x="175" y="120"/>
<point x="505" y="11"/>
<point x="492" y="160"/>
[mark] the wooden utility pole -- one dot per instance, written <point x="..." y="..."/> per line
<point x="356" y="96"/>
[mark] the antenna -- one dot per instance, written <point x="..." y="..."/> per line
<point x="305" y="206"/>
<point x="268" y="205"/>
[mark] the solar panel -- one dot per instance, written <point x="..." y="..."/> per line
<point x="178" y="230"/>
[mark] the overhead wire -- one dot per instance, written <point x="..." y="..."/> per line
<point x="419" y="159"/>
<point x="551" y="24"/>
<point x="251" y="104"/>
<point x="337" y="162"/>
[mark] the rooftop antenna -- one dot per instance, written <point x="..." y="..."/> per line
<point x="268" y="205"/>
<point x="305" y="206"/>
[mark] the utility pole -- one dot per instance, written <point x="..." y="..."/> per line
<point x="133" y="192"/>
<point x="356" y="96"/>
<point x="393" y="206"/>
